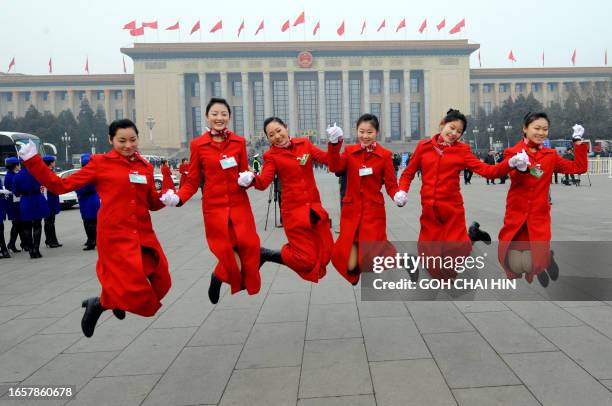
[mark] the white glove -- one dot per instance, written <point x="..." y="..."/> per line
<point x="400" y="198"/>
<point x="170" y="198"/>
<point x="519" y="161"/>
<point x="245" y="178"/>
<point x="578" y="132"/>
<point x="27" y="151"/>
<point x="334" y="134"/>
<point x="4" y="191"/>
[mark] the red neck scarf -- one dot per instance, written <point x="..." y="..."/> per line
<point x="223" y="133"/>
<point x="369" y="148"/>
<point x="531" y="144"/>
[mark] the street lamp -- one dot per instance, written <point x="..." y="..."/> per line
<point x="93" y="140"/>
<point x="490" y="130"/>
<point x="508" y="127"/>
<point x="150" y="123"/>
<point x="66" y="139"/>
<point x="475" y="132"/>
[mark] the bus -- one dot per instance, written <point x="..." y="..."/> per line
<point x="10" y="141"/>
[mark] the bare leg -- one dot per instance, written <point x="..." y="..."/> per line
<point x="353" y="257"/>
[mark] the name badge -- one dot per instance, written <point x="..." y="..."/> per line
<point x="536" y="171"/>
<point x="228" y="162"/>
<point x="16" y="199"/>
<point x="365" y="171"/>
<point x="303" y="159"/>
<point x="137" y="178"/>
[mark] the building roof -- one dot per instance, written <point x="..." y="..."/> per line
<point x="19" y="80"/>
<point x="604" y="72"/>
<point x="293" y="48"/>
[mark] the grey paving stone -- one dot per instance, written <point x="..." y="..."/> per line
<point x="14" y="331"/>
<point x="411" y="382"/>
<point x="467" y="361"/>
<point x="495" y="396"/>
<point x="185" y="312"/>
<point x="543" y="314"/>
<point x="508" y="333"/>
<point x="480" y="306"/>
<point x="339" y="320"/>
<point x="334" y="368"/>
<point x="119" y="391"/>
<point x="281" y="307"/>
<point x="231" y="326"/>
<point x="438" y="317"/>
<point x="273" y="345"/>
<point x="262" y="386"/>
<point x="555" y="379"/>
<point x="197" y="376"/>
<point x="598" y="317"/>
<point x="393" y="338"/>
<point x="112" y="334"/>
<point x="381" y="309"/>
<point x="357" y="400"/>
<point x="332" y="292"/>
<point x="10" y="312"/>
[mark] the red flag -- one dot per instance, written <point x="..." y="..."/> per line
<point x="137" y="32"/>
<point x="316" y="28"/>
<point x="152" y="25"/>
<point x="363" y="27"/>
<point x="606" y="58"/>
<point x="217" y="27"/>
<point x="511" y="56"/>
<point x="401" y="25"/>
<point x="241" y="28"/>
<point x="458" y="27"/>
<point x="87" y="65"/>
<point x="261" y="27"/>
<point x="285" y="26"/>
<point x="542" y="58"/>
<point x="173" y="27"/>
<point x="423" y="26"/>
<point x="340" y="29"/>
<point x="479" y="61"/>
<point x="130" y="26"/>
<point x="11" y="64"/>
<point x="50" y="66"/>
<point x="382" y="25"/>
<point x="124" y="68"/>
<point x="299" y="20"/>
<point x="441" y="25"/>
<point x="574" y="57"/>
<point x="195" y="28"/>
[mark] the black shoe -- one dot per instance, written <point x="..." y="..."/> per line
<point x="543" y="279"/>
<point x="34" y="254"/>
<point x="120" y="314"/>
<point x="4" y="254"/>
<point x="89" y="248"/>
<point x="13" y="248"/>
<point x="553" y="268"/>
<point x="93" y="311"/>
<point x="54" y="245"/>
<point x="214" y="289"/>
<point x="476" y="234"/>
<point x="266" y="255"/>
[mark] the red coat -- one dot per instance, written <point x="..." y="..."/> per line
<point x="167" y="182"/>
<point x="183" y="170"/>
<point x="363" y="216"/>
<point x="228" y="219"/>
<point x="443" y="216"/>
<point x="309" y="249"/>
<point x="124" y="229"/>
<point x="527" y="206"/>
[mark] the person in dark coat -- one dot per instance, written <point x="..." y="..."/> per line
<point x="53" y="202"/>
<point x="32" y="209"/>
<point x="89" y="204"/>
<point x="490" y="159"/>
<point x="3" y="202"/>
<point x="12" y="205"/>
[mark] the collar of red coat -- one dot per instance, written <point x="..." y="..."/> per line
<point x="376" y="151"/>
<point x="206" y="138"/>
<point x="294" y="142"/>
<point x="519" y="146"/>
<point x="113" y="154"/>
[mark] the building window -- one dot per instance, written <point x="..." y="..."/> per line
<point x="552" y="87"/>
<point x="414" y="85"/>
<point x="474" y="108"/>
<point x="216" y="89"/>
<point x="258" y="103"/>
<point x="45" y="96"/>
<point x="394" y="85"/>
<point x="486" y="88"/>
<point x="396" y="121"/>
<point x="280" y="100"/>
<point x="9" y="97"/>
<point x="503" y="88"/>
<point x="333" y="101"/>
<point x="376" y="109"/>
<point x="134" y="115"/>
<point x="354" y="100"/>
<point x="473" y="88"/>
<point x="63" y="95"/>
<point x="375" y="86"/>
<point x="196" y="121"/>
<point x="569" y="86"/>
<point x="237" y="88"/>
<point x="519" y="87"/>
<point x="118" y="95"/>
<point x="10" y="115"/>
<point x="237" y="120"/>
<point x="26" y="96"/>
<point x="536" y="87"/>
<point x="195" y="89"/>
<point x="100" y="96"/>
<point x="415" y="119"/>
<point x="487" y="108"/>
<point x="118" y="114"/>
<point x="307" y="104"/>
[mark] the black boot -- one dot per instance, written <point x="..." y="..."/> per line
<point x="90" y="230"/>
<point x="266" y="255"/>
<point x="214" y="289"/>
<point x="93" y="311"/>
<point x="36" y="235"/>
<point x="13" y="237"/>
<point x="25" y="233"/>
<point x="543" y="279"/>
<point x="3" y="251"/>
<point x="553" y="268"/>
<point x="50" y="235"/>
<point x="476" y="234"/>
<point x="120" y="314"/>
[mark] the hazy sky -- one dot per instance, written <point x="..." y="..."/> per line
<point x="32" y="31"/>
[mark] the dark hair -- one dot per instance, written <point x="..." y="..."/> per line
<point x="218" y="100"/>
<point x="118" y="124"/>
<point x="183" y="160"/>
<point x="272" y="120"/>
<point x="531" y="117"/>
<point x="369" y="118"/>
<point x="455" y="115"/>
<point x="164" y="161"/>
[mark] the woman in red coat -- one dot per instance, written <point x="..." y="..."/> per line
<point x="131" y="267"/>
<point x="363" y="225"/>
<point x="167" y="182"/>
<point x="305" y="221"/>
<point x="524" y="240"/>
<point x="441" y="159"/>
<point x="184" y="171"/>
<point x="220" y="155"/>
